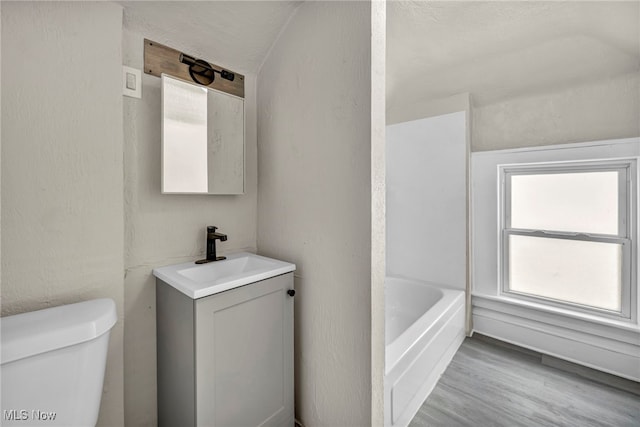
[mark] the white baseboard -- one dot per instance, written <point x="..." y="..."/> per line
<point x="607" y="354"/>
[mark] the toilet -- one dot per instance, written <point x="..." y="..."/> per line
<point x="53" y="362"/>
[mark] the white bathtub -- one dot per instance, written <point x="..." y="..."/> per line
<point x="424" y="328"/>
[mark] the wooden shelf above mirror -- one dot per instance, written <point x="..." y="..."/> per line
<point x="159" y="59"/>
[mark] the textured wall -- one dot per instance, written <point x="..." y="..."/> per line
<point x="62" y="225"/>
<point x="606" y="109"/>
<point x="314" y="200"/>
<point x="427" y="107"/>
<point x="167" y="229"/>
<point x="378" y="226"/>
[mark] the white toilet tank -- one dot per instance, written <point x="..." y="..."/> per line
<point x="53" y="362"/>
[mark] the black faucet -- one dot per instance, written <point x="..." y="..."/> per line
<point x="212" y="236"/>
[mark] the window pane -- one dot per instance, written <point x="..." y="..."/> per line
<point x="576" y="202"/>
<point x="580" y="272"/>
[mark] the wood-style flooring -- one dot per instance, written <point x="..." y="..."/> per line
<point x="495" y="385"/>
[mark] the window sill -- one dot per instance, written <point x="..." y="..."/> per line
<point x="591" y="319"/>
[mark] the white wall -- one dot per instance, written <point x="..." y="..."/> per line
<point x="315" y="201"/>
<point x="427" y="199"/>
<point x="62" y="224"/>
<point x="378" y="211"/>
<point x="167" y="229"/>
<point x="604" y="109"/>
<point x="0" y="159"/>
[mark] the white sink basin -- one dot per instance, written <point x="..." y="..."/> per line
<point x="201" y="280"/>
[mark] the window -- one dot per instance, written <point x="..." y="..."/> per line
<point x="566" y="234"/>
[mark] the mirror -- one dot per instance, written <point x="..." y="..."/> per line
<point x="202" y="139"/>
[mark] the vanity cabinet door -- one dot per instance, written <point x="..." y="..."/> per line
<point x="244" y="356"/>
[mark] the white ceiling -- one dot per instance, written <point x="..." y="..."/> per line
<point x="494" y="50"/>
<point x="499" y="50"/>
<point x="233" y="34"/>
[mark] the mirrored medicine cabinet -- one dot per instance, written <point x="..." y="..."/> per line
<point x="202" y="139"/>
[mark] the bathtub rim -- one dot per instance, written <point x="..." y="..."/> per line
<point x="419" y="297"/>
<point x="398" y="348"/>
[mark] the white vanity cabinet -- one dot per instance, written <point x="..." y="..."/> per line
<point x="226" y="359"/>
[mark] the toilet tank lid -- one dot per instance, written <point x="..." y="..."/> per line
<point x="28" y="334"/>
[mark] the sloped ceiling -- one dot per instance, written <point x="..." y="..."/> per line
<point x="499" y="50"/>
<point x="233" y="34"/>
<point x="435" y="49"/>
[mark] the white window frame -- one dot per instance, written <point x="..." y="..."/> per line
<point x="627" y="229"/>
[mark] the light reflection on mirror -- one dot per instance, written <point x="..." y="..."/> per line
<point x="184" y="137"/>
<point x="202" y="139"/>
